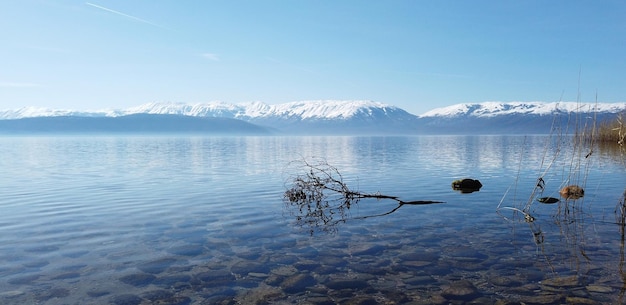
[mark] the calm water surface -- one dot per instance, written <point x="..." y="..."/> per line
<point x="203" y="220"/>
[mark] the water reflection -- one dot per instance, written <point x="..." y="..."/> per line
<point x="200" y="220"/>
<point x="570" y="236"/>
<point x="620" y="220"/>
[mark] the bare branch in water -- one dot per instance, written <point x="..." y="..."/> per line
<point x="319" y="199"/>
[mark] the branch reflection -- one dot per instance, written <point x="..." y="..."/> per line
<point x="319" y="199"/>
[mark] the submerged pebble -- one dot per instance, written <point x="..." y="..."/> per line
<point x="138" y="279"/>
<point x="187" y="250"/>
<point x="126" y="299"/>
<point x="297" y="283"/>
<point x="156" y="266"/>
<point x="461" y="290"/>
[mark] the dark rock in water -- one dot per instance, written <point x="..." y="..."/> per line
<point x="572" y="192"/>
<point x="548" y="200"/>
<point x="461" y="290"/>
<point x="156" y="267"/>
<point x="346" y="284"/>
<point x="297" y="283"/>
<point x="138" y="280"/>
<point x="466" y="185"/>
<point x="126" y="299"/>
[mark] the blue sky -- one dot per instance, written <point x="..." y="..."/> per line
<point x="417" y="55"/>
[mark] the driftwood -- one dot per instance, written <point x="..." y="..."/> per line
<point x="319" y="198"/>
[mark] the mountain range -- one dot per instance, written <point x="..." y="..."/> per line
<point x="312" y="117"/>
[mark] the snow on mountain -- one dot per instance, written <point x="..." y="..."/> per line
<point x="325" y="110"/>
<point x="328" y="109"/>
<point x="303" y="110"/>
<point x="212" y="109"/>
<point x="31" y="112"/>
<point x="491" y="109"/>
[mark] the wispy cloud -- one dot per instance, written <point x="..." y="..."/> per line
<point x="211" y="56"/>
<point x="17" y="85"/>
<point x="122" y="14"/>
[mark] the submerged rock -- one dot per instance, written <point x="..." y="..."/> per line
<point x="157" y="266"/>
<point x="126" y="299"/>
<point x="346" y="284"/>
<point x="187" y="250"/>
<point x="216" y="277"/>
<point x="297" y="283"/>
<point x="461" y="290"/>
<point x="245" y="267"/>
<point x="570" y="281"/>
<point x="138" y="280"/>
<point x="466" y="185"/>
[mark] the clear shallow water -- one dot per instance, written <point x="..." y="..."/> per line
<point x="193" y="220"/>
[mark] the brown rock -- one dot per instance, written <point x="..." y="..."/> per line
<point x="572" y="192"/>
<point x="461" y="290"/>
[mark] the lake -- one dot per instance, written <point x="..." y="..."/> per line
<point x="205" y="220"/>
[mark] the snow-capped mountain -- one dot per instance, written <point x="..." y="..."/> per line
<point x="492" y="109"/>
<point x="516" y="117"/>
<point x="32" y="112"/>
<point x="311" y="117"/>
<point x="331" y="116"/>
<point x="329" y="109"/>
